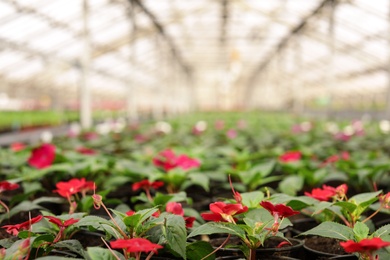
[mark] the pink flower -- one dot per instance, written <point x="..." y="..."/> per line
<point x="177" y="209"/>
<point x="168" y="160"/>
<point x="86" y="151"/>
<point x="290" y="156"/>
<point x="43" y="156"/>
<point x="231" y="133"/>
<point x="16" y="147"/>
<point x="174" y="208"/>
<point x="14" y="229"/>
<point x="219" y="125"/>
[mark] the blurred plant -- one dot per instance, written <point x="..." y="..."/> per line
<point x="42" y="156"/>
<point x="176" y="169"/>
<point x="71" y="190"/>
<point x="6" y="186"/>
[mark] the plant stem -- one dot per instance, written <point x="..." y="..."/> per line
<point x="113" y="220"/>
<point x="252" y="254"/>
<point x="373" y="214"/>
<point x="222" y="245"/>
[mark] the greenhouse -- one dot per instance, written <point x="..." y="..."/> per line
<point x="199" y="130"/>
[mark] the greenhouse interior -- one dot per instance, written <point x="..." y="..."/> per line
<point x="199" y="130"/>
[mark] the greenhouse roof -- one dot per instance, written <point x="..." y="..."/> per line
<point x="236" y="50"/>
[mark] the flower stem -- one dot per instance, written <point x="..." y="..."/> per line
<point x="373" y="214"/>
<point x="222" y="245"/>
<point x="113" y="220"/>
<point x="109" y="248"/>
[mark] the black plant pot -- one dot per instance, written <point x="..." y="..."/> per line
<point x="270" y="251"/>
<point x="319" y="248"/>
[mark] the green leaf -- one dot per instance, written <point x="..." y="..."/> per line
<point x="73" y="246"/>
<point x="382" y="232"/>
<point x="361" y="231"/>
<point x="39" y="240"/>
<point x="200" y="179"/>
<point x="174" y="229"/>
<point x="252" y="199"/>
<point x="93" y="221"/>
<point x="199" y="249"/>
<point x="348" y="206"/>
<point x="291" y="184"/>
<point x="132" y="221"/>
<point x="98" y="253"/>
<point x="332" y="230"/>
<point x="216" y="228"/>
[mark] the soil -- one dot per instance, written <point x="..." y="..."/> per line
<point x="324" y="244"/>
<point x="89" y="239"/>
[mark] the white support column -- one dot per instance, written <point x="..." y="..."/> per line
<point x="330" y="72"/>
<point x="131" y="100"/>
<point x="298" y="88"/>
<point x="388" y="66"/>
<point x="85" y="92"/>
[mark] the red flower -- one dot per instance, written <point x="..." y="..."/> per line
<point x="177" y="209"/>
<point x="146" y="185"/>
<point x="320" y="194"/>
<point x="66" y="189"/>
<point x="280" y="210"/>
<point x="43" y="156"/>
<point x="135" y="245"/>
<point x="16" y="147"/>
<point x="130" y="213"/>
<point x="168" y="160"/>
<point x="5" y="185"/>
<point x="224" y="212"/>
<point x="366" y="246"/>
<point x="189" y="221"/>
<point x="290" y="156"/>
<point x="174" y="208"/>
<point x="14" y="229"/>
<point x="335" y="158"/>
<point x="327" y="192"/>
<point x="86" y="151"/>
<point x="61" y="223"/>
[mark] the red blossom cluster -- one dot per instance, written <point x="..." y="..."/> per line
<point x="290" y="156"/>
<point x="223" y="212"/>
<point x="335" y="158"/>
<point x="135" y="245"/>
<point x="278" y="211"/>
<point x="14" y="229"/>
<point x="366" y="247"/>
<point x="168" y="160"/>
<point x="328" y="192"/>
<point x="73" y="186"/>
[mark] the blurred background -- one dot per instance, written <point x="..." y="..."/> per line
<point x="65" y="60"/>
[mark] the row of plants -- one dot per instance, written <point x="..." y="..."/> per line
<point x="229" y="186"/>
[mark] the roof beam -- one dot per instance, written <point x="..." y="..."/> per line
<point x="286" y="39"/>
<point x="160" y="28"/>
